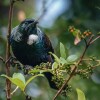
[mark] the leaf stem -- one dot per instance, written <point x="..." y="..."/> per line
<point x="15" y="90"/>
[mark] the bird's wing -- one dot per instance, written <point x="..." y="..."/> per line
<point x="15" y="35"/>
<point x="49" y="48"/>
<point x="48" y="44"/>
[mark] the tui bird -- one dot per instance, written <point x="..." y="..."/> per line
<point x="31" y="46"/>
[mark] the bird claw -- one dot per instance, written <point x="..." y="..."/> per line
<point x="11" y="59"/>
<point x="27" y="68"/>
<point x="14" y="62"/>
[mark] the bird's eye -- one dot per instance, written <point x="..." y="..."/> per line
<point x="26" y="22"/>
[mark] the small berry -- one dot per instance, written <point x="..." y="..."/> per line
<point x="87" y="33"/>
<point x="71" y="29"/>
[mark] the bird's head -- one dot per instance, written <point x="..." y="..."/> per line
<point x="27" y="25"/>
<point x="28" y="30"/>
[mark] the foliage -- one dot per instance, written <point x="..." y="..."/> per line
<point x="19" y="80"/>
<point x="64" y="64"/>
<point x="81" y="95"/>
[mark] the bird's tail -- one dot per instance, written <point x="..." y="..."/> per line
<point x="49" y="76"/>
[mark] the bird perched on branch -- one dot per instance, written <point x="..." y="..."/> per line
<point x="31" y="46"/>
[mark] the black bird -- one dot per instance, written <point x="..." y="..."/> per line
<point x="31" y="46"/>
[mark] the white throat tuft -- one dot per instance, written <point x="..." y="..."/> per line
<point x="31" y="39"/>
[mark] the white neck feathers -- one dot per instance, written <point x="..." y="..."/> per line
<point x="31" y="39"/>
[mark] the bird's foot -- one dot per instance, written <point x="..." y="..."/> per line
<point x="11" y="59"/>
<point x="27" y="68"/>
<point x="14" y="62"/>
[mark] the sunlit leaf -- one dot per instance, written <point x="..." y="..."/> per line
<point x="72" y="58"/>
<point x="54" y="65"/>
<point x="16" y="81"/>
<point x="19" y="76"/>
<point x="47" y="70"/>
<point x="62" y="61"/>
<point x="80" y="94"/>
<point x="56" y="58"/>
<point x="34" y="71"/>
<point x="77" y="31"/>
<point x="62" y="51"/>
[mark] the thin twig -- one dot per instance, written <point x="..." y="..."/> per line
<point x="8" y="83"/>
<point x="91" y="60"/>
<point x="90" y="39"/>
<point x="75" y="67"/>
<point x="95" y="39"/>
<point x="96" y="66"/>
<point x="85" y="42"/>
<point x="44" y="9"/>
<point x="1" y="58"/>
<point x="15" y="90"/>
<point x="85" y="70"/>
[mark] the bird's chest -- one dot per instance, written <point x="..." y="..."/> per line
<point x="29" y="54"/>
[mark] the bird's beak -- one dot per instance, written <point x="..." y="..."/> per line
<point x="34" y="23"/>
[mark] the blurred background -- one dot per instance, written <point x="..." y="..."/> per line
<point x="55" y="18"/>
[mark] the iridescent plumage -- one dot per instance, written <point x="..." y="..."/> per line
<point x="32" y="54"/>
<point x="31" y="46"/>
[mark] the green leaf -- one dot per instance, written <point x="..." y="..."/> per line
<point x="17" y="81"/>
<point x="47" y="70"/>
<point x="54" y="65"/>
<point x="34" y="71"/>
<point x="56" y="58"/>
<point x="19" y="76"/>
<point x="63" y="61"/>
<point x="32" y="78"/>
<point x="76" y="32"/>
<point x="62" y="51"/>
<point x="72" y="58"/>
<point x="80" y="94"/>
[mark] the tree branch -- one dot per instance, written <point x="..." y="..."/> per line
<point x="75" y="67"/>
<point x="1" y="58"/>
<point x="44" y="9"/>
<point x="91" y="60"/>
<point x="8" y="83"/>
<point x="95" y="39"/>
